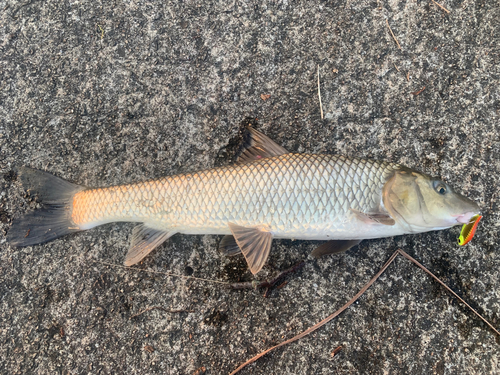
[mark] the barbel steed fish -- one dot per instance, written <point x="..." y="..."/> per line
<point x="268" y="193"/>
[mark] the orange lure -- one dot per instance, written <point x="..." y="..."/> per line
<point x="468" y="230"/>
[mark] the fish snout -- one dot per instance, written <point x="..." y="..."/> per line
<point x="466" y="209"/>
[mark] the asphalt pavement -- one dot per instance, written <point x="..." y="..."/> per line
<point x="112" y="92"/>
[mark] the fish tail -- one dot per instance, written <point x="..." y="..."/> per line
<point x="54" y="218"/>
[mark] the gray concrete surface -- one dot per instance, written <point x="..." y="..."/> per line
<point x="112" y="92"/>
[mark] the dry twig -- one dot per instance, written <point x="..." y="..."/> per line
<point x="442" y="7"/>
<point x="169" y="274"/>
<point x="448" y="289"/>
<point x="319" y="96"/>
<point x="394" y="36"/>
<point x="359" y="294"/>
<point x="324" y="321"/>
<point x="266" y="284"/>
<point x="336" y="351"/>
<point x="419" y="91"/>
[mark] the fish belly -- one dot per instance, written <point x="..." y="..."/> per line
<point x="299" y="196"/>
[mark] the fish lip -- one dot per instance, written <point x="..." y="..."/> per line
<point x="465" y="218"/>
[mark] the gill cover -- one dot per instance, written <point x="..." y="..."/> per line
<point x="400" y="198"/>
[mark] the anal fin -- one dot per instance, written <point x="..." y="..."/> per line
<point x="145" y="240"/>
<point x="255" y="244"/>
<point x="334" y="247"/>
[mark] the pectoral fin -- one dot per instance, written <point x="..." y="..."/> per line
<point x="144" y="240"/>
<point x="254" y="243"/>
<point x="334" y="247"/>
<point x="374" y="218"/>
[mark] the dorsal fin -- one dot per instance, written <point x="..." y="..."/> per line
<point x="259" y="146"/>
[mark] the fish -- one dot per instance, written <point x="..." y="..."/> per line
<point x="268" y="193"/>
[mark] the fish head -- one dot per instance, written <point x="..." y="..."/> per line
<point x="421" y="203"/>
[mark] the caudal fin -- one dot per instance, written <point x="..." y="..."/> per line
<point x="54" y="218"/>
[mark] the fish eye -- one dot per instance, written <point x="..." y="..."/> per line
<point x="440" y="187"/>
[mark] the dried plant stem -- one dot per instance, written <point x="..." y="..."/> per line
<point x="442" y="7"/>
<point x="169" y="274"/>
<point x="324" y="321"/>
<point x="319" y="96"/>
<point x="266" y="284"/>
<point x="359" y="294"/>
<point x="448" y="289"/>
<point x="394" y="36"/>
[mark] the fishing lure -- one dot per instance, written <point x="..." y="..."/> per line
<point x="468" y="230"/>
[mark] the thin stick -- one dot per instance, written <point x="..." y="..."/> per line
<point x="266" y="284"/>
<point x="394" y="36"/>
<point x="319" y="96"/>
<point x="242" y="285"/>
<point x="336" y="313"/>
<point x="324" y="321"/>
<point x="418" y="92"/>
<point x="442" y="7"/>
<point x="162" y="273"/>
<point x="448" y="289"/>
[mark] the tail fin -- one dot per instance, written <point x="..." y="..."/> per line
<point x="54" y="218"/>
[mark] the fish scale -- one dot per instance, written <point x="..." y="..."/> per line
<point x="299" y="195"/>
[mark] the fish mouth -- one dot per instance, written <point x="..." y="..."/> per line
<point x="465" y="218"/>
